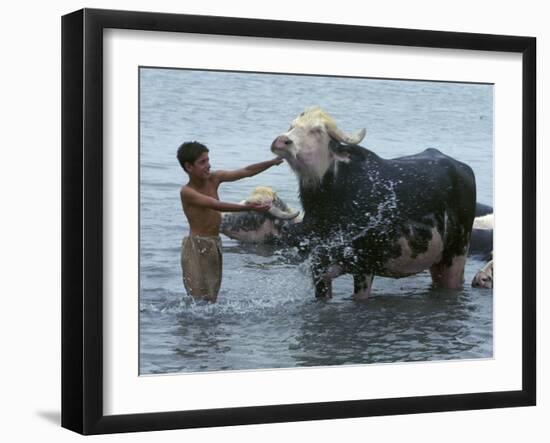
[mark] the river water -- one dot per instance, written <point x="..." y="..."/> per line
<point x="267" y="315"/>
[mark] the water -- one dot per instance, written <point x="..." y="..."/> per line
<point x="267" y="315"/>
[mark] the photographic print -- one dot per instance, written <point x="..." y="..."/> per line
<point x="273" y="212"/>
<point x="357" y="227"/>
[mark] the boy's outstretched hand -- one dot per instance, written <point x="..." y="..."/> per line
<point x="259" y="207"/>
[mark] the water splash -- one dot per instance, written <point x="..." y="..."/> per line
<point x="337" y="246"/>
<point x="275" y="289"/>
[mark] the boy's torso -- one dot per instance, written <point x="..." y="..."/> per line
<point x="204" y="221"/>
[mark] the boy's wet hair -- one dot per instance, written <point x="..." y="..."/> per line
<point x="189" y="152"/>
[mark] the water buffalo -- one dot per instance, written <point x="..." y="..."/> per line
<point x="255" y="227"/>
<point x="484" y="277"/>
<point x="483" y="233"/>
<point x="367" y="216"/>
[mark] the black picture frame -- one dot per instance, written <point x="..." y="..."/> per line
<point x="82" y="220"/>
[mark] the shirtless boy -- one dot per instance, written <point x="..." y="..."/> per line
<point x="201" y="254"/>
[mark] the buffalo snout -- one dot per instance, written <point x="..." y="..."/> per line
<point x="281" y="142"/>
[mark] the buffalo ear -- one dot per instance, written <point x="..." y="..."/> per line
<point x="342" y="157"/>
<point x="339" y="152"/>
<point x="334" y="146"/>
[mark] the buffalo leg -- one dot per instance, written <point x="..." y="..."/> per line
<point x="323" y="288"/>
<point x="451" y="277"/>
<point x="322" y="283"/>
<point x="362" y="286"/>
<point x="322" y="274"/>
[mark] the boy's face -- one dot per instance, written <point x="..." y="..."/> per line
<point x="200" y="168"/>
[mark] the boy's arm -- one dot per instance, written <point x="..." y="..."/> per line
<point x="191" y="197"/>
<point x="247" y="171"/>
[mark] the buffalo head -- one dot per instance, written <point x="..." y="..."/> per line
<point x="306" y="146"/>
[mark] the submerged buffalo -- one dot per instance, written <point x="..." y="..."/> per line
<point x="484" y="277"/>
<point x="483" y="230"/>
<point x="255" y="227"/>
<point x="367" y="216"/>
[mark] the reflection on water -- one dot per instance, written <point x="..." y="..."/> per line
<point x="267" y="316"/>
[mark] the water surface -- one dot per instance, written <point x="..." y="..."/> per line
<point x="267" y="316"/>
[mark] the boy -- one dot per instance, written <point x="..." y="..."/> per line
<point x="201" y="256"/>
